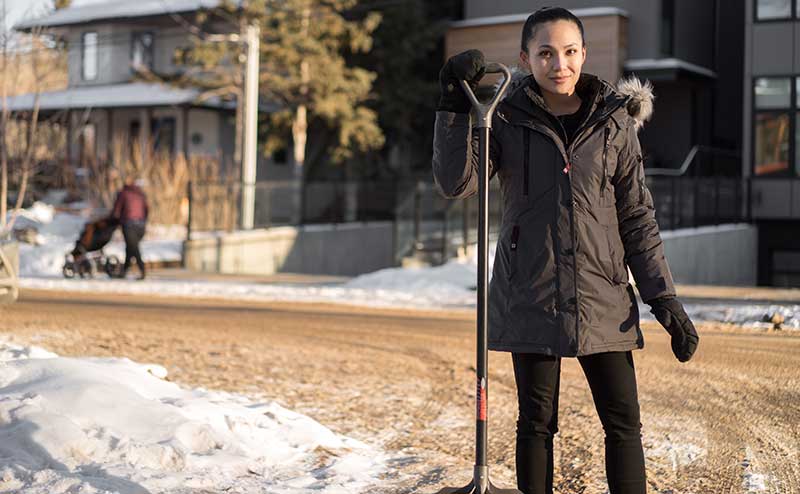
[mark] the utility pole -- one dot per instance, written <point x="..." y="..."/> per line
<point x="250" y="127"/>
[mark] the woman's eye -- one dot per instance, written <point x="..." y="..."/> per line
<point x="572" y="51"/>
<point x="544" y="53"/>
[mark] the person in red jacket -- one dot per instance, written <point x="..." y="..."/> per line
<point x="130" y="211"/>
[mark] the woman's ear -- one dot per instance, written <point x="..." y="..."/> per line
<point x="583" y="50"/>
<point x="523" y="58"/>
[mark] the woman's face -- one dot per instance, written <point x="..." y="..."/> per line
<point x="555" y="56"/>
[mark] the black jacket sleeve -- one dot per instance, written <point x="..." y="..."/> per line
<point x="456" y="154"/>
<point x="644" y="250"/>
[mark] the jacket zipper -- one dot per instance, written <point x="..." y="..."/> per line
<point x="514" y="237"/>
<point x="606" y="138"/>
<point x="526" y="137"/>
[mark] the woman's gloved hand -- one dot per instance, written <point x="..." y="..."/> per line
<point x="669" y="312"/>
<point x="467" y="66"/>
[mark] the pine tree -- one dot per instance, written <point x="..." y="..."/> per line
<point x="304" y="70"/>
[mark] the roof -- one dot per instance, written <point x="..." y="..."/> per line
<point x="516" y="18"/>
<point x="114" y="9"/>
<point x="667" y="67"/>
<point x="127" y="95"/>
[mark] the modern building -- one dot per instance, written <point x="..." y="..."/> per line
<point x="771" y="127"/>
<point x="727" y="83"/>
<point x="690" y="50"/>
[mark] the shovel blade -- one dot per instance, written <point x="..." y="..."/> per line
<point x="472" y="489"/>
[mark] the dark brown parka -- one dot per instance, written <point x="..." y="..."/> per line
<point x="574" y="218"/>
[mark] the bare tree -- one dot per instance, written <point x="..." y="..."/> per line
<point x="37" y="59"/>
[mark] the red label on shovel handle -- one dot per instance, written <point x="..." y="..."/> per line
<point x="481" y="402"/>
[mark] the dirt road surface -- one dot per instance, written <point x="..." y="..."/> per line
<point x="728" y="422"/>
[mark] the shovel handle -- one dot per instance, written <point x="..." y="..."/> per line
<point x="485" y="110"/>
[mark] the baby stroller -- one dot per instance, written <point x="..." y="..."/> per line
<point x="87" y="258"/>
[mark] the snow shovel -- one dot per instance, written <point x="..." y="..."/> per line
<point x="480" y="482"/>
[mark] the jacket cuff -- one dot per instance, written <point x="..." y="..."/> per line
<point x="652" y="275"/>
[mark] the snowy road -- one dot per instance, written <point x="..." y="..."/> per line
<point x="728" y="422"/>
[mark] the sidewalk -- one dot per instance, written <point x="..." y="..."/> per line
<point x="749" y="294"/>
<point x="295" y="279"/>
<point x="693" y="293"/>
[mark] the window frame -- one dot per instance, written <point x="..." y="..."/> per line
<point x="793" y="112"/>
<point x="136" y="36"/>
<point x="96" y="55"/>
<point x="793" y="13"/>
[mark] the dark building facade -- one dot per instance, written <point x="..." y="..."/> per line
<point x="771" y="128"/>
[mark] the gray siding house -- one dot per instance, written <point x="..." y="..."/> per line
<point x="105" y="102"/>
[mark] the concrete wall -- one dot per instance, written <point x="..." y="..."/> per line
<point x="341" y="250"/>
<point x="715" y="255"/>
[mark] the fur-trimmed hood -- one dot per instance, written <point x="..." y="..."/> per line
<point x="639" y="95"/>
<point x="640" y="98"/>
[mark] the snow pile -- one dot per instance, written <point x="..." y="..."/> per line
<point x="102" y="425"/>
<point x="58" y="231"/>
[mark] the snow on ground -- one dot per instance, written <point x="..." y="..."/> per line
<point x="101" y="425"/>
<point x="449" y="286"/>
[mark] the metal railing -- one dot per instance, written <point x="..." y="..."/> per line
<point x="436" y="228"/>
<point x="704" y="190"/>
<point x="216" y="206"/>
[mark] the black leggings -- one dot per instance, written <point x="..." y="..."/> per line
<point x="133" y="231"/>
<point x="612" y="379"/>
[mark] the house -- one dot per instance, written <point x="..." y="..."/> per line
<point x="108" y="44"/>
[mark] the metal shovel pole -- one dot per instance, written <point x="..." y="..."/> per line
<point x="480" y="483"/>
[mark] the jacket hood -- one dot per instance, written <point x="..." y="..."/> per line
<point x="640" y="98"/>
<point x="638" y="95"/>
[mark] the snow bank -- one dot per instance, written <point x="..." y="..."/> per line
<point x="102" y="425"/>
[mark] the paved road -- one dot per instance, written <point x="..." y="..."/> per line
<point x="728" y="422"/>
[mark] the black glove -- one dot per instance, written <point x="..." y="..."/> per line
<point x="466" y="66"/>
<point x="669" y="312"/>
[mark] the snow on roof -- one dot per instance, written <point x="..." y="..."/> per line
<point x="114" y="9"/>
<point x="513" y="18"/>
<point x="134" y="94"/>
<point x="667" y="63"/>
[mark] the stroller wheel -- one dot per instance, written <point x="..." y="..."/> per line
<point x="68" y="270"/>
<point x="113" y="267"/>
<point x="86" y="269"/>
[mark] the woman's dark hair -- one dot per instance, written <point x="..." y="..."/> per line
<point x="547" y="14"/>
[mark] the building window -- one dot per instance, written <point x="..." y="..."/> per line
<point x="142" y="50"/>
<point x="776" y="126"/>
<point x="797" y="144"/>
<point x="772" y="144"/>
<point x="89" y="56"/>
<point x="773" y="93"/>
<point x="770" y="10"/>
<point x="162" y="131"/>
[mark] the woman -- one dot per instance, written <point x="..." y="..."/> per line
<point x="577" y="214"/>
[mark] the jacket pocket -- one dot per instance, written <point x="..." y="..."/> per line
<point x="614" y="263"/>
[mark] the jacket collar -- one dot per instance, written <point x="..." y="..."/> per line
<point x="525" y="96"/>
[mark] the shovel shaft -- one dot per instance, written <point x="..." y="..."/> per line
<point x="483" y="299"/>
<point x="480" y="483"/>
